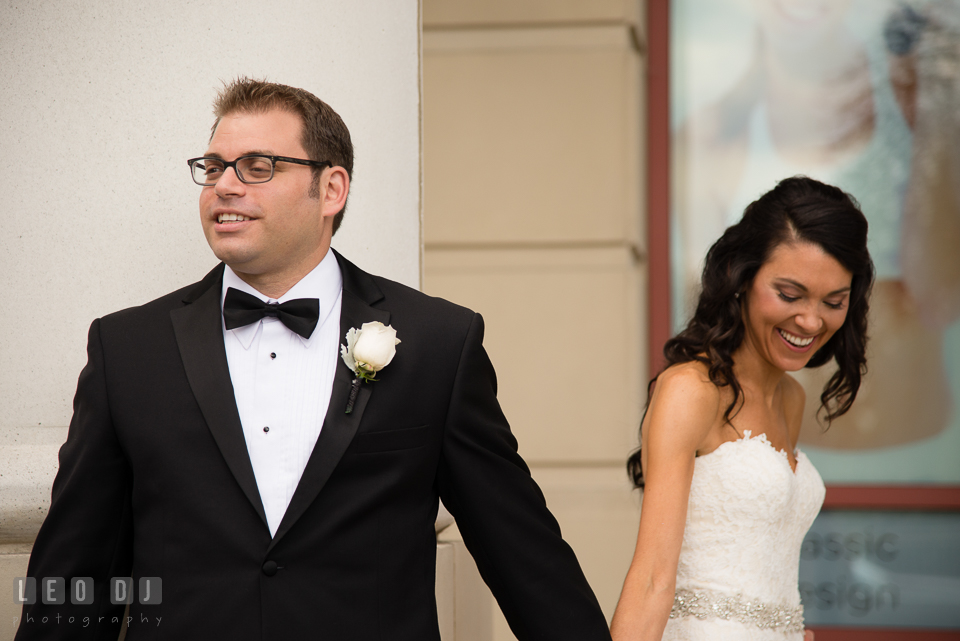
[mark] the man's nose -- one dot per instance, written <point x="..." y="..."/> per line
<point x="229" y="184"/>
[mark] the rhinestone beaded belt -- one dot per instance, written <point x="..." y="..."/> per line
<point x="704" y="604"/>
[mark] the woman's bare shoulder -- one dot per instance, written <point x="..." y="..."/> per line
<point x="687" y="393"/>
<point x="691" y="373"/>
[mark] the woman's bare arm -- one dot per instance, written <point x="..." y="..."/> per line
<point x="683" y="410"/>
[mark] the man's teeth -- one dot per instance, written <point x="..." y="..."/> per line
<point x="796" y="340"/>
<point x="228" y="218"/>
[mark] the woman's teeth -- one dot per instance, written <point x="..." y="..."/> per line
<point x="796" y="340"/>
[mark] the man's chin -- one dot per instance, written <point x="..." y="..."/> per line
<point x="239" y="258"/>
<point x="240" y="266"/>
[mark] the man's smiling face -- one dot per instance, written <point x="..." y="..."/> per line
<point x="269" y="229"/>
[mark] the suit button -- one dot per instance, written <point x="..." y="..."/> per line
<point x="270" y="568"/>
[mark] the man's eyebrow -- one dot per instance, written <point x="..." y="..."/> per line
<point x="803" y="287"/>
<point x="252" y="152"/>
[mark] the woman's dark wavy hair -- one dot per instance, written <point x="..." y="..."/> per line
<point x="798" y="209"/>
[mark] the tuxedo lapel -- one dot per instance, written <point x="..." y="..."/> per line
<point x="359" y="293"/>
<point x="197" y="327"/>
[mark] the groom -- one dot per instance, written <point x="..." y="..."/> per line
<point x="221" y="444"/>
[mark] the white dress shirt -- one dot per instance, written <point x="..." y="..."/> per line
<point x="282" y="383"/>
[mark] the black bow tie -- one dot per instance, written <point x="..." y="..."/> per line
<point x="299" y="315"/>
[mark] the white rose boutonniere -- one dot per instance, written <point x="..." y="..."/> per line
<point x="368" y="350"/>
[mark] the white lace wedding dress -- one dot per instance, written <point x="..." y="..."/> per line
<point x="747" y="516"/>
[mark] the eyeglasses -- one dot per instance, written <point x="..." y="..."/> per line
<point x="252" y="169"/>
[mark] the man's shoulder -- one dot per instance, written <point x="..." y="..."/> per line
<point x="434" y="319"/>
<point x="398" y="293"/>
<point x="401" y="299"/>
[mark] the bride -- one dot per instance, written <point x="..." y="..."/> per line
<point x="727" y="496"/>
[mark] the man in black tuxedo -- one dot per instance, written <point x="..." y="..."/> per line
<point x="221" y="444"/>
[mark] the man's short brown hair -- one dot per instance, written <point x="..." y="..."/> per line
<point x="324" y="135"/>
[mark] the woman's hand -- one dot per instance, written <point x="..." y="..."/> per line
<point x="808" y="635"/>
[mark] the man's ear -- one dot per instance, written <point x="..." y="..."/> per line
<point x="334" y="187"/>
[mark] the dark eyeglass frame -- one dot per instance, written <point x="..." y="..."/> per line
<point x="233" y="163"/>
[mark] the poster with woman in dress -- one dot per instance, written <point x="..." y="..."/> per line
<point x="864" y="94"/>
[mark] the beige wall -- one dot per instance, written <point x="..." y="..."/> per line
<point x="533" y="216"/>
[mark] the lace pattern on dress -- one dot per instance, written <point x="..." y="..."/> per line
<point x="703" y="604"/>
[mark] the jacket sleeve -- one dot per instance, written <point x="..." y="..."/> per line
<point x="502" y="514"/>
<point x="87" y="532"/>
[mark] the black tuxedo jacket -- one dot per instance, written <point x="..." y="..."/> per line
<point x="155" y="481"/>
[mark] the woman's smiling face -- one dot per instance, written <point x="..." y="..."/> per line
<point x="796" y="303"/>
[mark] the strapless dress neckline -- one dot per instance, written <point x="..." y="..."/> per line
<point x="761" y="438"/>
